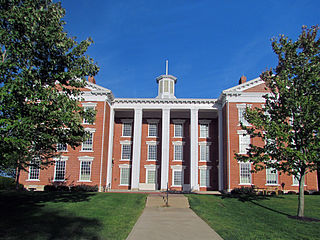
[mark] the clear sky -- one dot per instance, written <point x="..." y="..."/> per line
<point x="209" y="43"/>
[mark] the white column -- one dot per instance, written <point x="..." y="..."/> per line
<point x="220" y="137"/>
<point x="194" y="150"/>
<point x="110" y="149"/>
<point x="135" y="175"/>
<point x="165" y="148"/>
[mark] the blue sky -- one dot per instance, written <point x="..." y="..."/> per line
<point x="209" y="43"/>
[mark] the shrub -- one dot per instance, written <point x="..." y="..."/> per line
<point x="50" y="188"/>
<point x="243" y="190"/>
<point x="7" y="183"/>
<point x="84" y="188"/>
<point x="291" y="193"/>
<point x="316" y="193"/>
<point x="306" y="193"/>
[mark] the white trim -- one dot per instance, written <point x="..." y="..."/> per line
<point x="220" y="143"/>
<point x="85" y="158"/>
<point x="126" y="120"/>
<point x="165" y="148"/>
<point x="60" y="159"/>
<point x="194" y="158"/>
<point x="102" y="145"/>
<point x="124" y="165"/>
<point x="110" y="149"/>
<point x="152" y="142"/>
<point x="204" y="143"/>
<point x="89" y="104"/>
<point x="178" y="143"/>
<point x="136" y="148"/>
<point x="228" y="139"/>
<point x="125" y="142"/>
<point x="92" y="130"/>
<point x="246" y="85"/>
<point x="81" y="161"/>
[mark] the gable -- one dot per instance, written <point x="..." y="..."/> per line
<point x="258" y="88"/>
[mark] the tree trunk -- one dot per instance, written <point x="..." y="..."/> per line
<point x="17" y="178"/>
<point x="301" y="197"/>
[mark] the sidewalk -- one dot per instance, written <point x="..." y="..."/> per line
<point x="177" y="221"/>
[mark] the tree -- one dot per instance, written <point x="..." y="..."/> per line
<point x="41" y="72"/>
<point x="289" y="122"/>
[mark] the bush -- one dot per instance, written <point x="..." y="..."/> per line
<point x="7" y="183"/>
<point x="316" y="193"/>
<point x="243" y="190"/>
<point x="291" y="193"/>
<point x="50" y="188"/>
<point x="84" y="188"/>
<point x="306" y="193"/>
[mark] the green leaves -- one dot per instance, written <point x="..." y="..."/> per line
<point x="289" y="123"/>
<point x="41" y="68"/>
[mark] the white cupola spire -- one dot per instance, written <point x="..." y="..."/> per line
<point x="166" y="84"/>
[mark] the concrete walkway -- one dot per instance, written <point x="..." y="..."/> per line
<point x="177" y="221"/>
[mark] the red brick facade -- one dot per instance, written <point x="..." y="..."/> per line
<point x="220" y="171"/>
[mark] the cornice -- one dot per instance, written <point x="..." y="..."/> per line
<point x="245" y="86"/>
<point x="165" y="101"/>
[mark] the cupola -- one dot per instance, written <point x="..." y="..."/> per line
<point x="166" y="85"/>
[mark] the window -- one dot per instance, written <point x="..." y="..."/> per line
<point x="61" y="147"/>
<point x="178" y="130"/>
<point x="60" y="169"/>
<point x="204" y="130"/>
<point x="241" y="113"/>
<point x="245" y="173"/>
<point x="85" y="170"/>
<point x="34" y="170"/>
<point x="272" y="176"/>
<point x="87" y="145"/>
<point x="153" y="130"/>
<point x="124" y="176"/>
<point x="177" y="178"/>
<point x="152" y="152"/>
<point x="204" y="177"/>
<point x="178" y="152"/>
<point x="126" y="129"/>
<point x="151" y="176"/>
<point x="86" y="108"/>
<point x="125" y="151"/>
<point x="244" y="142"/>
<point x="295" y="180"/>
<point x="204" y="152"/>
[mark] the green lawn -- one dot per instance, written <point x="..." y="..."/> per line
<point x="264" y="218"/>
<point x="41" y="215"/>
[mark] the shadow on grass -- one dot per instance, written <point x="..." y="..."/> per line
<point x="26" y="216"/>
<point x="254" y="199"/>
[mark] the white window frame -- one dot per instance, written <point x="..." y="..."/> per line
<point x="150" y="168"/>
<point x="204" y="146"/>
<point x="34" y="169"/>
<point x="127" y="122"/>
<point x="242" y="166"/>
<point x="241" y="110"/>
<point x="206" y="170"/>
<point x="176" y="145"/>
<point x="152" y="144"/>
<point x="295" y="181"/>
<point x="127" y="144"/>
<point x="175" y="169"/>
<point x="88" y="105"/>
<point x="176" y="123"/>
<point x="153" y="122"/>
<point x="85" y="159"/>
<point x="271" y="174"/>
<point x="128" y="167"/>
<point x="60" y="159"/>
<point x="85" y="148"/>
<point x="244" y="141"/>
<point x="202" y="133"/>
<point x="64" y="149"/>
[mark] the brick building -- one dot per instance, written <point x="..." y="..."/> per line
<point x="155" y="143"/>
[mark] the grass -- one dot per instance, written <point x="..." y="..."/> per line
<point x="258" y="218"/>
<point x="64" y="215"/>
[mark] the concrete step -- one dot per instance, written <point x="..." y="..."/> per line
<point x="175" y="201"/>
